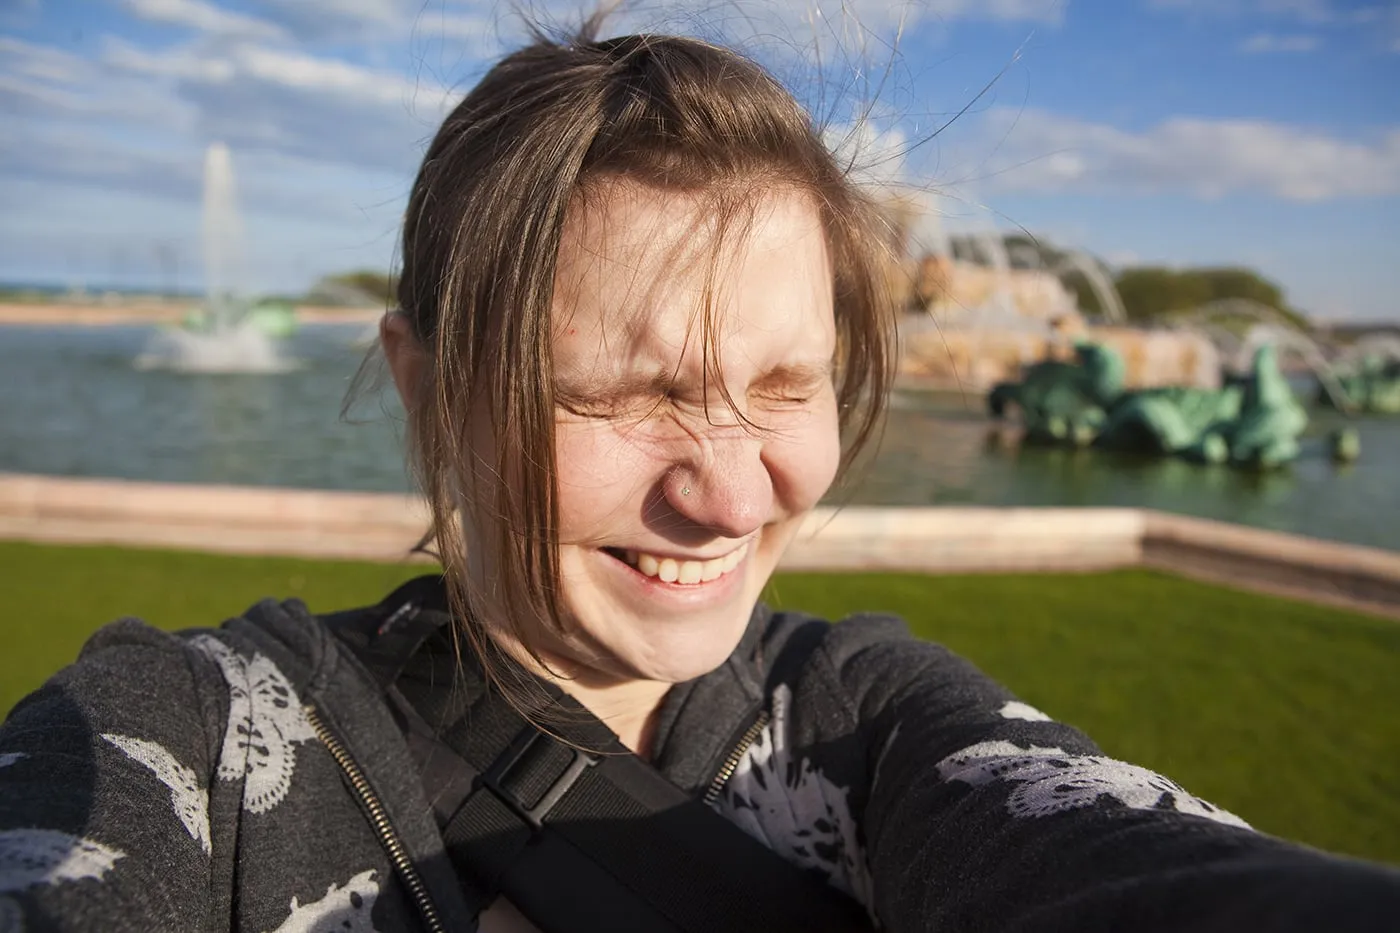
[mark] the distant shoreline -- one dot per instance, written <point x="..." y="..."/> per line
<point x="83" y="315"/>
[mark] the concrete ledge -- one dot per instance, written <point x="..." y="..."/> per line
<point x="1270" y="561"/>
<point x="967" y="540"/>
<point x="250" y="520"/>
<point x="384" y="527"/>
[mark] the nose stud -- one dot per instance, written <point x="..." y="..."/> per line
<point x="685" y="490"/>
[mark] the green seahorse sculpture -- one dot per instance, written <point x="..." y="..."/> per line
<point x="1254" y="421"/>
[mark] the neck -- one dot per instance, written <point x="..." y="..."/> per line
<point x="628" y="706"/>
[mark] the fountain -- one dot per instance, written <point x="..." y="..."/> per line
<point x="1296" y="342"/>
<point x="1253" y="422"/>
<point x="987" y="315"/>
<point x="1369" y="371"/>
<point x="1221" y="320"/>
<point x="222" y="337"/>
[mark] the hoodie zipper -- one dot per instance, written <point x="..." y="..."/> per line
<point x="379" y="819"/>
<point x="731" y="762"/>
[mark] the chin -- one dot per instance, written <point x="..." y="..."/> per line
<point x="678" y="653"/>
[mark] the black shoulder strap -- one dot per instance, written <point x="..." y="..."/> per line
<point x="577" y="831"/>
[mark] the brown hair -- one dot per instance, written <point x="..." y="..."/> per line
<point x="480" y="243"/>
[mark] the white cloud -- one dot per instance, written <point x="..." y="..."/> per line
<point x="875" y="154"/>
<point x="319" y="75"/>
<point x="457" y="26"/>
<point x="203" y="17"/>
<point x="75" y="154"/>
<point x="1312" y="12"/>
<point x="1372" y="24"/>
<point x="1036" y="11"/>
<point x="379" y="12"/>
<point x="294" y="102"/>
<point x="180" y="63"/>
<point x="40" y="63"/>
<point x="791" y="21"/>
<point x="136" y="120"/>
<point x="356" y="20"/>
<point x="45" y="85"/>
<point x="20" y="96"/>
<point x="1265" y="42"/>
<point x="1048" y="12"/>
<point x="1307" y="11"/>
<point x="1042" y="152"/>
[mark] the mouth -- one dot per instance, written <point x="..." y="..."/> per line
<point x="680" y="572"/>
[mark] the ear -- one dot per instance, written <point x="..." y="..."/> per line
<point x="406" y="356"/>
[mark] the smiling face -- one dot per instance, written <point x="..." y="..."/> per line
<point x="696" y="422"/>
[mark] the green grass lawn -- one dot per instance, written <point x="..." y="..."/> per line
<point x="1285" y="713"/>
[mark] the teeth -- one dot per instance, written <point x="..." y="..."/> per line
<point x="686" y="572"/>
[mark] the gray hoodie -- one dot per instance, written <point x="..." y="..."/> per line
<point x="198" y="781"/>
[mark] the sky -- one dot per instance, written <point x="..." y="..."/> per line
<point x="1263" y="133"/>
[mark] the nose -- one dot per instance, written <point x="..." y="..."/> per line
<point x="725" y="487"/>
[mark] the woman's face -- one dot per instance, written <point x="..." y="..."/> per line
<point x="692" y="438"/>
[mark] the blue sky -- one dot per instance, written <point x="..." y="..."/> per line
<point x="1184" y="132"/>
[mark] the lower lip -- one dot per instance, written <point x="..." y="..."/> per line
<point x="689" y="594"/>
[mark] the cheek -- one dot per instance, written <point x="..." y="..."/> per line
<point x="603" y="478"/>
<point x="803" y="461"/>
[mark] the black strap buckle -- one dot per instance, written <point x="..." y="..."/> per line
<point x="495" y="777"/>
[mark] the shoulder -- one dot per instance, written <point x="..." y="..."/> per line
<point x="126" y="664"/>
<point x="131" y="670"/>
<point x="870" y="677"/>
<point x="787" y="631"/>
<point x="863" y="653"/>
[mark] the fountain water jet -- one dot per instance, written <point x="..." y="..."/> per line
<point x="1110" y="302"/>
<point x="1383" y="347"/>
<point x="1268" y="327"/>
<point x="226" y="339"/>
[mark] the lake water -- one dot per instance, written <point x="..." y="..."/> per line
<point x="75" y="405"/>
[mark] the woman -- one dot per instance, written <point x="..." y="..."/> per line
<point x="640" y="302"/>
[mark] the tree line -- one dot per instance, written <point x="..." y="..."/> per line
<point x="1153" y="294"/>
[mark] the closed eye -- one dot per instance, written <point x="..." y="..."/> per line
<point x="794" y="383"/>
<point x="608" y="406"/>
<point x="639" y="394"/>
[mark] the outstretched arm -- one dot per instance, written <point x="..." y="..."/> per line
<point x="984" y="815"/>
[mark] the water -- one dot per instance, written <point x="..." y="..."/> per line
<point x="74" y="403"/>
<point x="933" y="455"/>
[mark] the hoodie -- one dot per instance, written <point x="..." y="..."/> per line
<point x="205" y="780"/>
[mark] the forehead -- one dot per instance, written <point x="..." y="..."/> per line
<point x="643" y="275"/>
